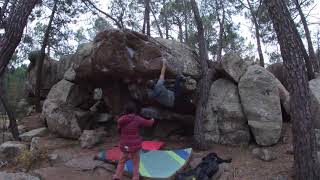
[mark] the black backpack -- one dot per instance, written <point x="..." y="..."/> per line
<point x="205" y="170"/>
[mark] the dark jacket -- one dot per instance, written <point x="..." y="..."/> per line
<point x="129" y="126"/>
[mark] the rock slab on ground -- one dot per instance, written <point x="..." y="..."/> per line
<point x="27" y="136"/>
<point x="17" y="176"/>
<point x="89" y="138"/>
<point x="261" y="104"/>
<point x="263" y="154"/>
<point x="12" y="149"/>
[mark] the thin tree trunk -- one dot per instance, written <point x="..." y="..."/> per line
<point x="17" y="20"/>
<point x="257" y="33"/>
<point x="3" y="100"/>
<point x="312" y="55"/>
<point x="166" y="19"/>
<point x="180" y="35"/>
<point x="146" y="19"/>
<point x="42" y="56"/>
<point x="221" y="32"/>
<point x="302" y="123"/>
<point x="310" y="71"/>
<point x="157" y="22"/>
<point x="204" y="84"/>
<point x="185" y="12"/>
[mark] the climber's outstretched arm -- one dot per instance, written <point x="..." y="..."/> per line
<point x="163" y="71"/>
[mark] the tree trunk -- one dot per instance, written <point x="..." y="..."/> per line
<point x="302" y="122"/>
<point x="3" y="100"/>
<point x="166" y="19"/>
<point x="204" y="84"/>
<point x="42" y="56"/>
<point x="257" y="33"/>
<point x="306" y="58"/>
<point x="157" y="22"/>
<point x="146" y="20"/>
<point x="180" y="35"/>
<point x="312" y="55"/>
<point x="221" y="32"/>
<point x="185" y="12"/>
<point x="17" y="20"/>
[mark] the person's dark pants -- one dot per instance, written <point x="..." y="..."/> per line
<point x="177" y="86"/>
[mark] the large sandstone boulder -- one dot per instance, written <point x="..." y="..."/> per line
<point x="234" y="66"/>
<point x="279" y="71"/>
<point x="123" y="53"/>
<point x="225" y="122"/>
<point x="314" y="86"/>
<point x="261" y="104"/>
<point x="60" y="109"/>
<point x="49" y="74"/>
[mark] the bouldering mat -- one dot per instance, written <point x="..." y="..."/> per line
<point x="161" y="164"/>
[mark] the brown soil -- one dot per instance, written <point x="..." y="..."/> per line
<point x="243" y="167"/>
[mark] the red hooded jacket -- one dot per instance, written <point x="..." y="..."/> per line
<point x="129" y="126"/>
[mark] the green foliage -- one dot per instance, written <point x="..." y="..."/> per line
<point x="14" y="84"/>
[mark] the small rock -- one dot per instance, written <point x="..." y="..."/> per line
<point x="17" y="176"/>
<point x="53" y="157"/>
<point x="27" y="137"/>
<point x="22" y="129"/>
<point x="97" y="95"/>
<point x="11" y="149"/>
<point x="34" y="145"/>
<point x="263" y="154"/>
<point x="190" y="84"/>
<point x="290" y="150"/>
<point x="89" y="138"/>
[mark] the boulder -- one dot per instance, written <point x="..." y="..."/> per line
<point x="89" y="138"/>
<point x="261" y="104"/>
<point x="68" y="92"/>
<point x="17" y="176"/>
<point x="12" y="149"/>
<point x="120" y="54"/>
<point x="60" y="109"/>
<point x="314" y="86"/>
<point x="234" y="66"/>
<point x="284" y="96"/>
<point x="263" y="154"/>
<point x="27" y="136"/>
<point x="61" y="119"/>
<point x="29" y="123"/>
<point x="225" y="121"/>
<point x="280" y="72"/>
<point x="49" y="74"/>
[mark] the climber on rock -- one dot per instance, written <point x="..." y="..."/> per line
<point x="162" y="94"/>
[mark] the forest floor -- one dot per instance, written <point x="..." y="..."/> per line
<point x="78" y="164"/>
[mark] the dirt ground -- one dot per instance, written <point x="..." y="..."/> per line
<point x="244" y="165"/>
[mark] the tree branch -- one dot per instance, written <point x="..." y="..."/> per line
<point x="106" y="14"/>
